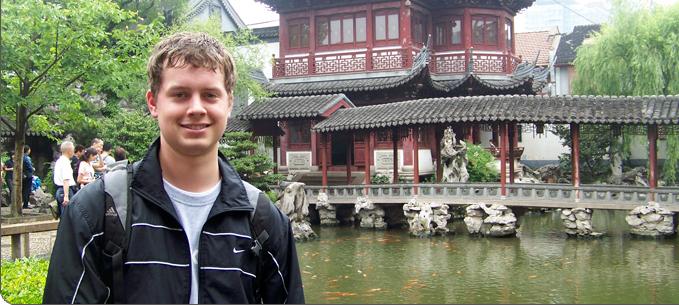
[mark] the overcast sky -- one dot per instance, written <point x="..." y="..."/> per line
<point x="255" y="14"/>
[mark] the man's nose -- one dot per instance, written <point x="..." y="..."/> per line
<point x="196" y="105"/>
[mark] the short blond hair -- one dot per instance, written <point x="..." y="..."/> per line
<point x="188" y="48"/>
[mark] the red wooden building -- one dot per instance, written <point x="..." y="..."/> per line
<point x="338" y="54"/>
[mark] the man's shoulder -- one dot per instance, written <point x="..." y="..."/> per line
<point x="89" y="202"/>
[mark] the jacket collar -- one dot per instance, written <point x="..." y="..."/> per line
<point x="148" y="182"/>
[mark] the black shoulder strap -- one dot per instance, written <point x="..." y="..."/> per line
<point x="118" y="208"/>
<point x="259" y="219"/>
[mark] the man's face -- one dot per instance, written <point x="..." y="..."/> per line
<point x="99" y="146"/>
<point x="192" y="107"/>
<point x="68" y="153"/>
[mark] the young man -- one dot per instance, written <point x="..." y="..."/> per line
<point x="191" y="227"/>
<point x="75" y="161"/>
<point x="63" y="175"/>
<point x="28" y="171"/>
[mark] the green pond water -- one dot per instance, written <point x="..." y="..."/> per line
<point x="541" y="265"/>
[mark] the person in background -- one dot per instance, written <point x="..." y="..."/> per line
<point x="98" y="163"/>
<point x="63" y="175"/>
<point x="8" y="168"/>
<point x="120" y="154"/>
<point x="106" y="154"/>
<point x="85" y="169"/>
<point x="75" y="162"/>
<point x="27" y="177"/>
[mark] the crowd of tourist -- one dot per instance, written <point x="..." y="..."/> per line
<point x="75" y="167"/>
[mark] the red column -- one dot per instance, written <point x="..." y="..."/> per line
<point x="416" y="158"/>
<point x="512" y="146"/>
<point x="652" y="159"/>
<point x="366" y="142"/>
<point x="503" y="157"/>
<point x="575" y="158"/>
<point x="275" y="154"/>
<point x="324" y="160"/>
<point x="394" y="140"/>
<point x="349" y="158"/>
<point x="284" y="143"/>
<point x="405" y="33"/>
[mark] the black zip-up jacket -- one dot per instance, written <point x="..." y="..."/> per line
<point x="158" y="265"/>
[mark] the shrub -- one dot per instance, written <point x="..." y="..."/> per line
<point x="380" y="179"/>
<point x="255" y="168"/>
<point x="480" y="165"/>
<point x="23" y="280"/>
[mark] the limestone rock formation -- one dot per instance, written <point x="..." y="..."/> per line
<point x="495" y="220"/>
<point x="426" y="219"/>
<point x="578" y="222"/>
<point x="453" y="158"/>
<point x="41" y="200"/>
<point x="651" y="220"/>
<point x="326" y="211"/>
<point x="294" y="204"/>
<point x="370" y="215"/>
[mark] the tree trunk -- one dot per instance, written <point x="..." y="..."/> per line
<point x="19" y="140"/>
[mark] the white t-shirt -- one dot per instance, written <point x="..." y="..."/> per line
<point x="86" y="170"/>
<point x="192" y="210"/>
<point x="63" y="171"/>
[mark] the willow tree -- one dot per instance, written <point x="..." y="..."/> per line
<point x="636" y="54"/>
<point x="54" y="55"/>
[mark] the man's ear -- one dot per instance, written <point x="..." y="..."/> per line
<point x="152" y="103"/>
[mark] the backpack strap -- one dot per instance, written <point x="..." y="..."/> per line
<point x="259" y="218"/>
<point x="118" y="207"/>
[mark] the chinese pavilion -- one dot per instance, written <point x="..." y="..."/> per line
<point x="367" y="86"/>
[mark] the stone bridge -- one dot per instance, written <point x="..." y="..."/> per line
<point x="566" y="196"/>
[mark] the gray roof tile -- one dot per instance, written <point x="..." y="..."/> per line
<point x="291" y="107"/>
<point x="520" y="108"/>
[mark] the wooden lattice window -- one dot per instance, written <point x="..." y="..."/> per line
<point x="386" y="25"/>
<point x="341" y="29"/>
<point x="484" y="30"/>
<point x="298" y="33"/>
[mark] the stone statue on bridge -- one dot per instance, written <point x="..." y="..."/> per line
<point x="453" y="158"/>
<point x="294" y="204"/>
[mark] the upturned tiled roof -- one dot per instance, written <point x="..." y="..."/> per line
<point x="268" y="34"/>
<point x="524" y="73"/>
<point x="235" y="124"/>
<point x="305" y="86"/>
<point x="535" y="46"/>
<point x="565" y="53"/>
<point x="291" y="107"/>
<point x="520" y="108"/>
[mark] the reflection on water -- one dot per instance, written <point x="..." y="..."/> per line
<point x="350" y="265"/>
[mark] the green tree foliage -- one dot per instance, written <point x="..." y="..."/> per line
<point x="255" y="168"/>
<point x="480" y="165"/>
<point x="636" y="54"/>
<point x="56" y="56"/>
<point x="23" y="280"/>
<point x="132" y="130"/>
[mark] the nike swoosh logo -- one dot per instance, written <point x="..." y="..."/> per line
<point x="237" y="251"/>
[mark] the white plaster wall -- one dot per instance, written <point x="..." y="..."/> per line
<point x="269" y="48"/>
<point x="562" y="81"/>
<point x="545" y="146"/>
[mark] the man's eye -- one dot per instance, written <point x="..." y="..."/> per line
<point x="179" y="94"/>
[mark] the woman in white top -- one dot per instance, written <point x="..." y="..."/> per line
<point x="85" y="169"/>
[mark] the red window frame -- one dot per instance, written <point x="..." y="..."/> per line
<point x="328" y="19"/>
<point x="297" y="27"/>
<point x="299" y="134"/>
<point x="486" y="20"/>
<point x="419" y="19"/>
<point x="509" y="34"/>
<point x="386" y="13"/>
<point x="443" y="32"/>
